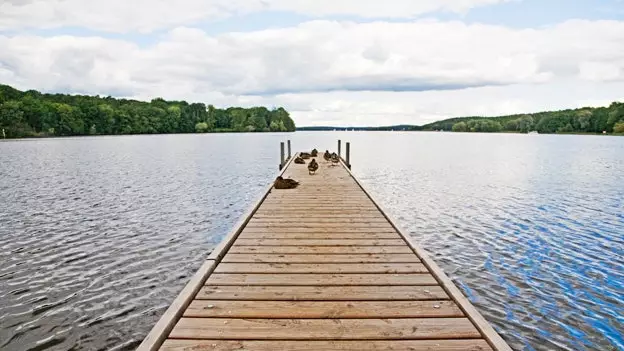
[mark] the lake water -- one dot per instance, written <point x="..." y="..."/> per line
<point x="98" y="235"/>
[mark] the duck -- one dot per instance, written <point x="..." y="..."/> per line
<point x="281" y="183"/>
<point x="299" y="160"/>
<point x="314" y="153"/>
<point x="312" y="166"/>
<point x="335" y="159"/>
<point x="327" y="155"/>
<point x="304" y="155"/>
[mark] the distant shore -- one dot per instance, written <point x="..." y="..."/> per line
<point x="378" y="129"/>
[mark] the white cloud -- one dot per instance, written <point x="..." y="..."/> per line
<point x="341" y="72"/>
<point x="123" y="16"/>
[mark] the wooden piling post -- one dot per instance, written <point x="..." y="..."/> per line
<point x="289" y="150"/>
<point x="348" y="152"/>
<point x="281" y="165"/>
<point x="339" y="155"/>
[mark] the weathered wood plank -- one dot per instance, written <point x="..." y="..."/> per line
<point x="290" y="258"/>
<point x="319" y="242"/>
<point x="322" y="309"/>
<point x="319" y="230"/>
<point x="319" y="220"/>
<point x="312" y="215"/>
<point x="316" y="218"/>
<point x="326" y="235"/>
<point x="322" y="293"/>
<point x="281" y="268"/>
<point x="306" y="224"/>
<point x="320" y="279"/>
<point x="326" y="250"/>
<point x="324" y="329"/>
<point x="334" y="345"/>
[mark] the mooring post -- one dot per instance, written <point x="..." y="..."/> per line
<point x="349" y="155"/>
<point x="339" y="155"/>
<point x="281" y="165"/>
<point x="289" y="153"/>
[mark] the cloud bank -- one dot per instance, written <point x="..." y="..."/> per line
<point x="122" y="16"/>
<point x="343" y="72"/>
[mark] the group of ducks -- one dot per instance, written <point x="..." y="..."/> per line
<point x="281" y="183"/>
<point x="313" y="165"/>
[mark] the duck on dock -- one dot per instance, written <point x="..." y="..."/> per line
<point x="313" y="166"/>
<point x="335" y="159"/>
<point x="305" y="155"/>
<point x="299" y="160"/>
<point x="327" y="155"/>
<point x="281" y="183"/>
<point x="314" y="153"/>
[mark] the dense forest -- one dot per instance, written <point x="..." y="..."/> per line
<point x="31" y="113"/>
<point x="584" y="120"/>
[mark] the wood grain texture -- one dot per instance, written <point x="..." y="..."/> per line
<point x="294" y="258"/>
<point x="281" y="268"/>
<point x="334" y="345"/>
<point x="322" y="293"/>
<point x="326" y="235"/>
<point x="324" y="329"/>
<point x="323" y="309"/>
<point x="326" y="250"/>
<point x="320" y="242"/>
<point x="320" y="279"/>
<point x="348" y="230"/>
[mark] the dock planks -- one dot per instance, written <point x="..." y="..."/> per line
<point x="320" y="267"/>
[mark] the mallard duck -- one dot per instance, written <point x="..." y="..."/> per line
<point x="299" y="160"/>
<point x="314" y="153"/>
<point x="327" y="155"/>
<point x="312" y="166"/>
<point x="281" y="183"/>
<point x="304" y="155"/>
<point x="335" y="159"/>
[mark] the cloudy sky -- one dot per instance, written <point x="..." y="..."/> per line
<point x="329" y="62"/>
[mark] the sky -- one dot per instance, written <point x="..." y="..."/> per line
<point x="328" y="62"/>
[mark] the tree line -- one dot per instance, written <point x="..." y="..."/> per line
<point x="34" y="114"/>
<point x="584" y="120"/>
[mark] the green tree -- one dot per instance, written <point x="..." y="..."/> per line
<point x="526" y="123"/>
<point x="201" y="127"/>
<point x="616" y="115"/>
<point x="460" y="127"/>
<point x="512" y="125"/>
<point x="12" y="120"/>
<point x="565" y="129"/>
<point x="618" y="128"/>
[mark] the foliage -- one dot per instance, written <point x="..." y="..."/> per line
<point x="30" y="113"/>
<point x="584" y="120"/>
<point x="618" y="128"/>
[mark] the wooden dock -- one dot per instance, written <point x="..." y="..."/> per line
<point x="320" y="267"/>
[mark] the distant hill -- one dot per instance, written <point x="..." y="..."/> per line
<point x="581" y="120"/>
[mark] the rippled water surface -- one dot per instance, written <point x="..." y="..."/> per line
<point x="98" y="235"/>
